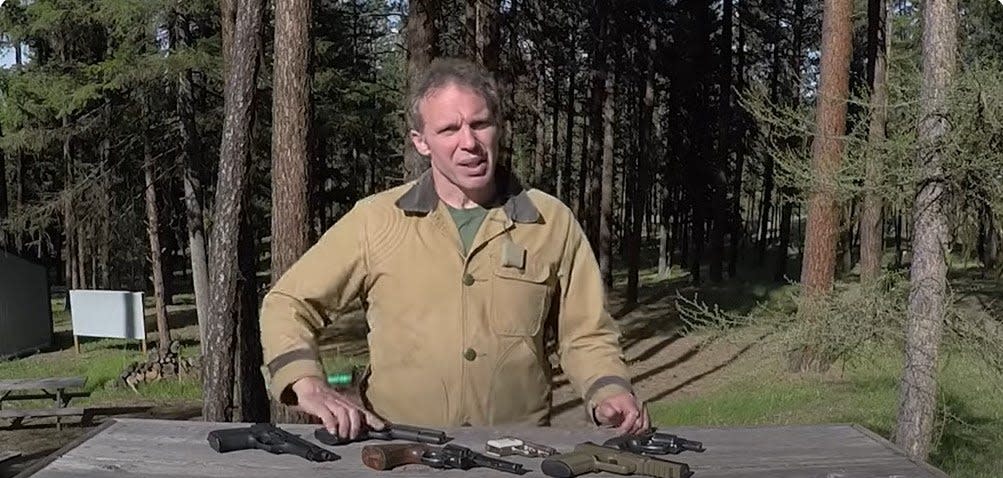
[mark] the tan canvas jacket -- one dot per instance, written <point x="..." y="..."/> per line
<point x="453" y="339"/>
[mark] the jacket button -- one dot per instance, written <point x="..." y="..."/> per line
<point x="470" y="354"/>
<point x="468" y="279"/>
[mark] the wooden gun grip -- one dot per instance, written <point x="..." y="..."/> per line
<point x="386" y="457"/>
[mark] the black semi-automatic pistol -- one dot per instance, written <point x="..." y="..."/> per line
<point x="268" y="437"/>
<point x="390" y="432"/>
<point x="653" y="442"/>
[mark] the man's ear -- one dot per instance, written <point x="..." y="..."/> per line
<point x="419" y="143"/>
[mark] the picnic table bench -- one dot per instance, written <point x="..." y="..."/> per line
<point x="133" y="448"/>
<point x="44" y="389"/>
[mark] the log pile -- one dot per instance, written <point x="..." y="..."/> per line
<point x="159" y="366"/>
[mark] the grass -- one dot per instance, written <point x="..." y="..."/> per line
<point x="100" y="361"/>
<point x="970" y="422"/>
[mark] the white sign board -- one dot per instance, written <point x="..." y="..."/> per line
<point x="107" y="313"/>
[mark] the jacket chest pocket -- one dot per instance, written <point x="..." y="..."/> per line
<point x="520" y="299"/>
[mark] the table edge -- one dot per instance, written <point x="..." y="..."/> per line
<point x="897" y="449"/>
<point x="44" y="462"/>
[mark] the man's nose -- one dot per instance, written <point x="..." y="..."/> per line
<point x="467" y="139"/>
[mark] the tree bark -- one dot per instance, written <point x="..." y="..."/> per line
<point x="871" y="234"/>
<point x="540" y="149"/>
<point x="69" y="216"/>
<point x="720" y="183"/>
<point x="606" y="185"/>
<point x="819" y="266"/>
<point x="738" y="227"/>
<point x="4" y="203"/>
<point x="422" y="40"/>
<point x="564" y="185"/>
<point x="292" y="117"/>
<point x="153" y="232"/>
<point x="218" y="372"/>
<point x="930" y="234"/>
<point x="189" y="157"/>
<point x="488" y="34"/>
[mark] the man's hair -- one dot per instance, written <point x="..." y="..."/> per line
<point x="456" y="71"/>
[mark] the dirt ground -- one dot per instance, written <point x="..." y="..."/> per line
<point x="664" y="366"/>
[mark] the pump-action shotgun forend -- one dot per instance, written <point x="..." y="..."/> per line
<point x="591" y="458"/>
<point x="390" y="456"/>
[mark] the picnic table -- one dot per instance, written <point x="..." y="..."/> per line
<point x="131" y="448"/>
<point x="54" y="389"/>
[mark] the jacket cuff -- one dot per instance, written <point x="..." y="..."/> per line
<point x="603" y="388"/>
<point x="289" y="367"/>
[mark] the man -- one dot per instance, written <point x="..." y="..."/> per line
<point x="461" y="272"/>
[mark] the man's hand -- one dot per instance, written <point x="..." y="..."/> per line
<point x="340" y="414"/>
<point x="624" y="412"/>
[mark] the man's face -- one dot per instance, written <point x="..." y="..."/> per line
<point x="459" y="135"/>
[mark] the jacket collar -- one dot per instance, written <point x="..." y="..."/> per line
<point x="422" y="198"/>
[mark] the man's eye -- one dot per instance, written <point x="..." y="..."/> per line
<point x="480" y="125"/>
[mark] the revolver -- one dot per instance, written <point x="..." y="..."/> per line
<point x="390" y="432"/>
<point x="653" y="442"/>
<point x="506" y="446"/>
<point x="268" y="437"/>
<point x="390" y="456"/>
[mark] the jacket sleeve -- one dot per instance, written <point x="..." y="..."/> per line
<point x="323" y="281"/>
<point x="588" y="337"/>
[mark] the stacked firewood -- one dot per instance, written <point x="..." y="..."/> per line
<point x="159" y="366"/>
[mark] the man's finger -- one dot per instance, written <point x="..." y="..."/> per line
<point x="629" y="422"/>
<point x="605" y="414"/>
<point x="373" y="421"/>
<point x="355" y="422"/>
<point x="327" y="418"/>
<point x="340" y="413"/>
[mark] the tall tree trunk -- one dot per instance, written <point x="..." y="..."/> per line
<point x="292" y="117"/>
<point x="4" y="203"/>
<point x="540" y="149"/>
<point x="422" y="40"/>
<point x="252" y="398"/>
<point x="765" y="207"/>
<point x="218" y="372"/>
<point x="569" y="131"/>
<point x="645" y="157"/>
<point x="787" y="192"/>
<point x="189" y="157"/>
<point x="153" y="232"/>
<point x="69" y="214"/>
<point x="105" y="194"/>
<point x="871" y="234"/>
<point x="606" y="185"/>
<point x="930" y="235"/>
<point x="738" y="227"/>
<point x="720" y="189"/>
<point x="819" y="266"/>
<point x="553" y="176"/>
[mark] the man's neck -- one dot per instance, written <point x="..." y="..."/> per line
<point x="457" y="198"/>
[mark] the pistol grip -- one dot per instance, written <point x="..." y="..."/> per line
<point x="233" y="439"/>
<point x="387" y="457"/>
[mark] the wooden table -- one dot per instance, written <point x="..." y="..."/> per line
<point x="163" y="449"/>
<point x="50" y="388"/>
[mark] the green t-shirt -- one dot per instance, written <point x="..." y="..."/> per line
<point x="468" y="221"/>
